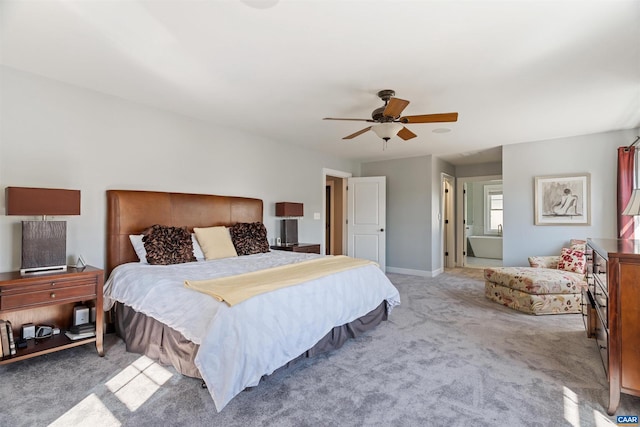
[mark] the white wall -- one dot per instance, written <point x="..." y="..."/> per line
<point x="414" y="232"/>
<point x="521" y="163"/>
<point x="408" y="236"/>
<point x="59" y="136"/>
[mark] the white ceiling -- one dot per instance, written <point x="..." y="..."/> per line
<point x="515" y="71"/>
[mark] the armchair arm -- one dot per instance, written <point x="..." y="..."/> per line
<point x="550" y="261"/>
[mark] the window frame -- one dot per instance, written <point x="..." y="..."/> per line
<point x="490" y="190"/>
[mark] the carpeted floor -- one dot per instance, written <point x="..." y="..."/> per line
<point x="446" y="357"/>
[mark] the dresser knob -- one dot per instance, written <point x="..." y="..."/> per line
<point x="53" y="295"/>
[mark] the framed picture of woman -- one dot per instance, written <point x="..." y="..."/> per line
<point x="562" y="200"/>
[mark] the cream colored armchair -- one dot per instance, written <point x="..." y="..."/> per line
<point x="551" y="285"/>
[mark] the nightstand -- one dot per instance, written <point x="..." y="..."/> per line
<point x="49" y="299"/>
<point x="310" y="248"/>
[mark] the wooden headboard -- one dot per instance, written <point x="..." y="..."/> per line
<point x="131" y="212"/>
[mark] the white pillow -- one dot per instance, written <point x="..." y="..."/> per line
<point x="197" y="250"/>
<point x="138" y="246"/>
<point x="215" y="242"/>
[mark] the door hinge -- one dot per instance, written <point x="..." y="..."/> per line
<point x="446" y="221"/>
<point x="446" y="254"/>
<point x="464" y="252"/>
<point x="446" y="190"/>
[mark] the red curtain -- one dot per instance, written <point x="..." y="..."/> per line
<point x="626" y="173"/>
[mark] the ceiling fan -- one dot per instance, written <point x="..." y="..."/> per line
<point x="388" y="121"/>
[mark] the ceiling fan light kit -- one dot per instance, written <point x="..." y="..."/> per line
<point x="386" y="131"/>
<point x="389" y="122"/>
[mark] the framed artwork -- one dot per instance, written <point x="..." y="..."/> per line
<point x="562" y="200"/>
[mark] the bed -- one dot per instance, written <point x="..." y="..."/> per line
<point x="230" y="348"/>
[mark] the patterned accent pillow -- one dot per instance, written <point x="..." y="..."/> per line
<point x="572" y="260"/>
<point x="249" y="238"/>
<point x="168" y="245"/>
<point x="578" y="245"/>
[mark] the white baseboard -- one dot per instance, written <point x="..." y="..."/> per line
<point x="412" y="272"/>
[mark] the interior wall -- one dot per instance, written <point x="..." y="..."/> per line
<point x="414" y="206"/>
<point x="56" y="135"/>
<point x="408" y="228"/>
<point x="595" y="154"/>
<point x="478" y="169"/>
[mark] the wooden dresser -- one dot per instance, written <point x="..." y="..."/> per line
<point x="613" y="312"/>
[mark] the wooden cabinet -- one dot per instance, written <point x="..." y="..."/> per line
<point x="613" y="312"/>
<point x="49" y="299"/>
<point x="310" y="248"/>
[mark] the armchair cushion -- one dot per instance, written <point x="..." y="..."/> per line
<point x="544" y="261"/>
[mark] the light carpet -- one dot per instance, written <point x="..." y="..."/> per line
<point x="446" y="357"/>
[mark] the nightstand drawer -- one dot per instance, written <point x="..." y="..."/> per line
<point x="43" y="294"/>
<point x="310" y="249"/>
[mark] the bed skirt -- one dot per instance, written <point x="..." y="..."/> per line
<point x="144" y="335"/>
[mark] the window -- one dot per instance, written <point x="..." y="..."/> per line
<point x="493" y="209"/>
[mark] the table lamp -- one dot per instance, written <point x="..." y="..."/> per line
<point x="44" y="243"/>
<point x="289" y="226"/>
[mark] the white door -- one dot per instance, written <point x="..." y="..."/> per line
<point x="367" y="218"/>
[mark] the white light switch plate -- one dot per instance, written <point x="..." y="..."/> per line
<point x="316" y="215"/>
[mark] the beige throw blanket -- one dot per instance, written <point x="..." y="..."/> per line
<point x="235" y="289"/>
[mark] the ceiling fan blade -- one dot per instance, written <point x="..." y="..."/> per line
<point x="354" y="120"/>
<point x="360" y="132"/>
<point x="405" y="134"/>
<point x="394" y="107"/>
<point x="430" y="118"/>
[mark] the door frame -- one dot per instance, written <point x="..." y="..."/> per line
<point x="339" y="174"/>
<point x="460" y="203"/>
<point x="448" y="206"/>
<point x="330" y="194"/>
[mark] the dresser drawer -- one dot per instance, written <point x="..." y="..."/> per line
<point x="600" y="270"/>
<point x="601" y="302"/>
<point x="47" y="292"/>
<point x="602" y="338"/>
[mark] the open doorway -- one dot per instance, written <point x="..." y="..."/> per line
<point x="335" y="212"/>
<point x="479" y="222"/>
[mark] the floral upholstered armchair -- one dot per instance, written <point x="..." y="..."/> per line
<point x="551" y="285"/>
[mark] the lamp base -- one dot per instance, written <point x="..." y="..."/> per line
<point x="289" y="232"/>
<point x="44" y="246"/>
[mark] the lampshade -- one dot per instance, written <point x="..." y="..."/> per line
<point x="386" y="130"/>
<point x="289" y="209"/>
<point x="633" y="207"/>
<point x="42" y="201"/>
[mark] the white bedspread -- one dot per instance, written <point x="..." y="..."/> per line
<point x="240" y="344"/>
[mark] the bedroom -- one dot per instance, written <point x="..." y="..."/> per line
<point x="72" y="135"/>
